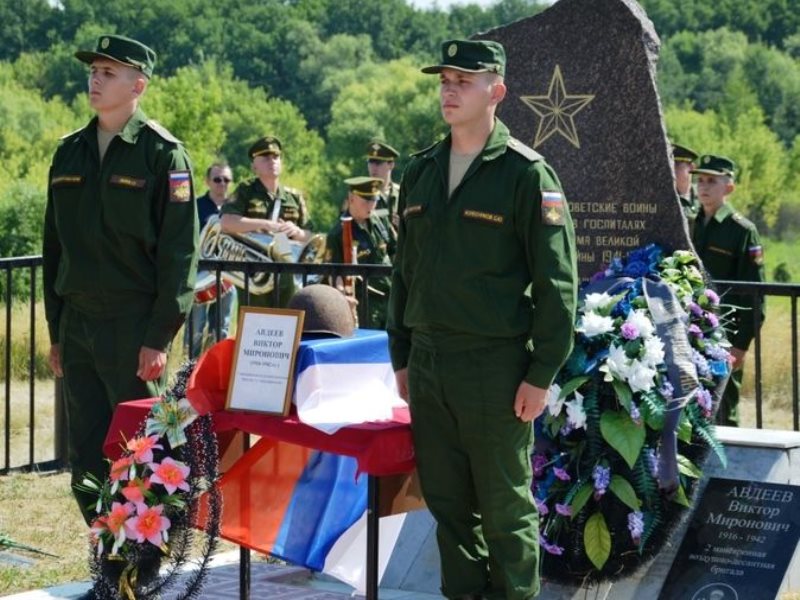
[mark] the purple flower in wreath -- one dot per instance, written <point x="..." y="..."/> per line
<point x="602" y="477"/>
<point x="538" y="463"/>
<point x="667" y="390"/>
<point x="712" y="296"/>
<point x="705" y="401"/>
<point x="712" y="319"/>
<point x="550" y="548"/>
<point x="561" y="474"/>
<point x="695" y="309"/>
<point x="565" y="510"/>
<point x="701" y="364"/>
<point x="695" y="331"/>
<point x="541" y="506"/>
<point x="716" y="352"/>
<point x="636" y="526"/>
<point x="629" y="331"/>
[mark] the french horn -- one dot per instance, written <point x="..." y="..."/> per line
<point x="257" y="247"/>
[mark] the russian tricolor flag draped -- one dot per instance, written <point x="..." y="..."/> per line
<point x="342" y="382"/>
<point x="296" y="503"/>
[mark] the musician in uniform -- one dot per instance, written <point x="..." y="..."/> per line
<point x="380" y="163"/>
<point x="263" y="205"/>
<point x="120" y="253"/>
<point x="683" y="161"/>
<point x="730" y="248"/>
<point x="372" y="244"/>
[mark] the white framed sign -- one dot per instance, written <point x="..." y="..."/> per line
<point x="262" y="376"/>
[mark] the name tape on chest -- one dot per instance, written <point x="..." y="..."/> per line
<point x="66" y="180"/>
<point x="552" y="207"/>
<point x="482" y="216"/>
<point x="718" y="250"/>
<point x="124" y="181"/>
<point x="180" y="186"/>
<point x="413" y="211"/>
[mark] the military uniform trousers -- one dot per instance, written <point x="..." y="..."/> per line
<point x="99" y="358"/>
<point x="728" y="410"/>
<point x="473" y="459"/>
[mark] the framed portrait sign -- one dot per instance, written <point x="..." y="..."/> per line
<point x="262" y="375"/>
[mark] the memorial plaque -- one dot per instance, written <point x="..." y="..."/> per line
<point x="739" y="542"/>
<point x="582" y="92"/>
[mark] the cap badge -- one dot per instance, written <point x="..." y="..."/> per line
<point x="451" y="50"/>
<point x="376" y="147"/>
<point x="706" y="160"/>
<point x="104" y="43"/>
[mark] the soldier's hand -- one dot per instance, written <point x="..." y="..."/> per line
<point x="737" y="358"/>
<point x="401" y="377"/>
<point x="151" y="363"/>
<point x="530" y="401"/>
<point x="55" y="360"/>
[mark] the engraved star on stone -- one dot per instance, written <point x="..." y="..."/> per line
<point x="557" y="110"/>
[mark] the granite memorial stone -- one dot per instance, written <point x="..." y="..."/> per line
<point x="582" y="92"/>
<point x="739" y="543"/>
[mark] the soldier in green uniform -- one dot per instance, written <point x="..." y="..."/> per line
<point x="263" y="205"/>
<point x="380" y="163"/>
<point x="730" y="248"/>
<point x="684" y="160"/>
<point x="120" y="252"/>
<point x="373" y="243"/>
<point x="483" y="220"/>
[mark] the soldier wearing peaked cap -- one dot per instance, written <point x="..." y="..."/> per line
<point x="263" y="204"/>
<point x="120" y="252"/>
<point x="730" y="248"/>
<point x="381" y="158"/>
<point x="683" y="161"/>
<point x="373" y="243"/>
<point x="483" y="219"/>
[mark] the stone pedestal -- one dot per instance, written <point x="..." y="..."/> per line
<point x="756" y="455"/>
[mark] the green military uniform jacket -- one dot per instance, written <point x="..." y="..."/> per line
<point x="690" y="205"/>
<point x="730" y="249"/>
<point x="121" y="236"/>
<point x="464" y="263"/>
<point x="387" y="201"/>
<point x="376" y="244"/>
<point x="251" y="199"/>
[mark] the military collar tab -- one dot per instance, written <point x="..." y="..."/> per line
<point x="723" y="212"/>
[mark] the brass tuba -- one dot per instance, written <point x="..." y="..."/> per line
<point x="257" y="247"/>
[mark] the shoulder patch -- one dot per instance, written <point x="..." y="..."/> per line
<point x="520" y="148"/>
<point x="162" y="131"/>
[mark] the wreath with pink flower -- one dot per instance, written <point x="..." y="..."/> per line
<point x="629" y="419"/>
<point x="148" y="507"/>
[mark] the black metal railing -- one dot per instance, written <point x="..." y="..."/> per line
<point x="307" y="273"/>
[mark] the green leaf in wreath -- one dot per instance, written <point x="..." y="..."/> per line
<point x="623" y="393"/>
<point x="581" y="498"/>
<point x="597" y="540"/>
<point x="685" y="429"/>
<point x="624" y="491"/>
<point x="688" y="468"/>
<point x="622" y="434"/>
<point x="572" y="385"/>
<point x="680" y="497"/>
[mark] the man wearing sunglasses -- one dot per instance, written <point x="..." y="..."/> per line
<point x="206" y="313"/>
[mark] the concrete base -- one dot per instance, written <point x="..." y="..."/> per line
<point x="753" y="454"/>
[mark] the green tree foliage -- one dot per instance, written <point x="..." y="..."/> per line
<point x="768" y="21"/>
<point x="218" y="115"/>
